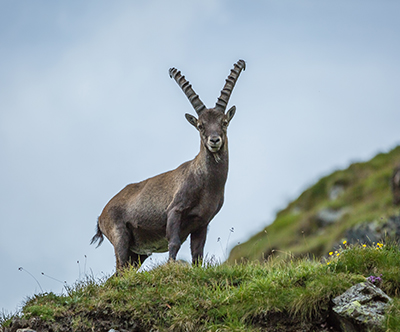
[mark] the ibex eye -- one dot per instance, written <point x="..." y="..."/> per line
<point x="200" y="126"/>
<point x="225" y="123"/>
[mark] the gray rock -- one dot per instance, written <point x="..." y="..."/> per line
<point x="329" y="216"/>
<point x="361" y="307"/>
<point x="336" y="191"/>
<point x="365" y="233"/>
<point x="374" y="231"/>
<point x="25" y="330"/>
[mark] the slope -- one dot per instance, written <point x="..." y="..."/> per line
<point x="329" y="212"/>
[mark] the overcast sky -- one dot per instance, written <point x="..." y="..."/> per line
<point x="87" y="106"/>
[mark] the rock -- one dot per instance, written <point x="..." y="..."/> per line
<point x="25" y="330"/>
<point x="361" y="308"/>
<point x="374" y="232"/>
<point x="329" y="216"/>
<point x="336" y="191"/>
<point x="365" y="233"/>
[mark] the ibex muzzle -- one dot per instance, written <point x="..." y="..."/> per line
<point x="158" y="214"/>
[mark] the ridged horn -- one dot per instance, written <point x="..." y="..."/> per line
<point x="226" y="91"/>
<point x="187" y="89"/>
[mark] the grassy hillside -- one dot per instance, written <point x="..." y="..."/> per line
<point x="277" y="295"/>
<point x="358" y="194"/>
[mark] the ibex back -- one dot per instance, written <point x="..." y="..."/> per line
<point x="158" y="214"/>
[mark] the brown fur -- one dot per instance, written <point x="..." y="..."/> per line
<point x="158" y="214"/>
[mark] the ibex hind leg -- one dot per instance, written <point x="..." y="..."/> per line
<point x="121" y="249"/>
<point x="134" y="258"/>
<point x="123" y="255"/>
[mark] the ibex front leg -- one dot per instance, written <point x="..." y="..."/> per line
<point x="173" y="230"/>
<point x="197" y="242"/>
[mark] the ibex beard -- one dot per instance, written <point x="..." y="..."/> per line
<point x="158" y="214"/>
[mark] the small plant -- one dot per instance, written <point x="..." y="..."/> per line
<point x="225" y="252"/>
<point x="25" y="270"/>
<point x="375" y="280"/>
<point x="5" y="318"/>
<point x="336" y="253"/>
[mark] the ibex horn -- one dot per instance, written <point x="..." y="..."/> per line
<point x="222" y="101"/>
<point x="187" y="89"/>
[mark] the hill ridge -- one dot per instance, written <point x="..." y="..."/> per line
<point x="319" y="218"/>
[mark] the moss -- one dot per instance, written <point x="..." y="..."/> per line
<point x="44" y="312"/>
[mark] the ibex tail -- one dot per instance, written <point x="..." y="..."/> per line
<point x="98" y="236"/>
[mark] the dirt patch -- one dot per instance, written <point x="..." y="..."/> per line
<point x="103" y="322"/>
<point x="85" y="322"/>
<point x="283" y="322"/>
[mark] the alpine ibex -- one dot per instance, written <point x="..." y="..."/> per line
<point x="158" y="214"/>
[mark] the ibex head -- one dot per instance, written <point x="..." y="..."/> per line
<point x="212" y="122"/>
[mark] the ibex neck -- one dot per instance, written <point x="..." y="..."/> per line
<point x="214" y="165"/>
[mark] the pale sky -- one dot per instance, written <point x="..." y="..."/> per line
<point x="87" y="106"/>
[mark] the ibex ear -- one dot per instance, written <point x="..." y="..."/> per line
<point x="230" y="113"/>
<point x="192" y="120"/>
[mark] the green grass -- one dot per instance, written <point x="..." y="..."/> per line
<point x="279" y="294"/>
<point x="366" y="197"/>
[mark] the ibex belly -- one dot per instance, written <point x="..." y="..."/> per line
<point x="148" y="242"/>
<point x="150" y="236"/>
<point x="148" y="232"/>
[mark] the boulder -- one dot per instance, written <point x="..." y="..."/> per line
<point x="374" y="231"/>
<point x="361" y="308"/>
<point x="336" y="191"/>
<point x="329" y="216"/>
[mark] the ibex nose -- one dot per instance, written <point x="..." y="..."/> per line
<point x="215" y="140"/>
